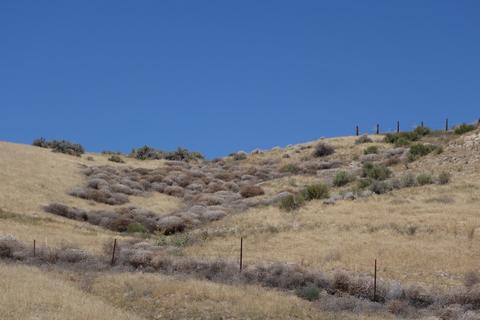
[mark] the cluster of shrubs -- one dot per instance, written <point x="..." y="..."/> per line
<point x="419" y="150"/>
<point x="149" y="153"/>
<point x="116" y="158"/>
<point x="309" y="193"/>
<point x="61" y="146"/>
<point x="342" y="178"/>
<point x="402" y="139"/>
<point x="464" y="128"/>
<point x="371" y="150"/>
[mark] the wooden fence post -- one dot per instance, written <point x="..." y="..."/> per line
<point x="34" y="248"/>
<point x="375" y="282"/>
<point x="398" y="126"/>
<point x="113" y="251"/>
<point x="378" y="128"/>
<point x="241" y="254"/>
<point x="446" y="124"/>
<point x="356" y="131"/>
<point x="421" y="124"/>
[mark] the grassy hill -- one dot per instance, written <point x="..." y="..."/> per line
<point x="178" y="224"/>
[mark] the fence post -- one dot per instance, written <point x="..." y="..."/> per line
<point x="375" y="282"/>
<point x="446" y="124"/>
<point x="421" y="124"/>
<point x="398" y="126"/>
<point x="241" y="254"/>
<point x="356" y="131"/>
<point x="113" y="251"/>
<point x="34" y="248"/>
<point x="378" y="128"/>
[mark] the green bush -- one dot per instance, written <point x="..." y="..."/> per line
<point x="371" y="150"/>
<point x="375" y="171"/>
<point x="290" y="168"/>
<point x="444" y="177"/>
<point x="464" y="128"/>
<point x="419" y="150"/>
<point x="401" y="138"/>
<point x="322" y="150"/>
<point x="363" y="139"/>
<point x="182" y="154"/>
<point x="61" y="146"/>
<point x="422" y="131"/>
<point x="364" y="183"/>
<point x="424" y="179"/>
<point x="292" y="202"/>
<point x="315" y="191"/>
<point x="136" y="228"/>
<point x="342" y="178"/>
<point x="310" y="293"/>
<point x="379" y="187"/>
<point x="408" y="180"/>
<point x="116" y="158"/>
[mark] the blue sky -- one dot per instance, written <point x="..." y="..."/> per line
<point x="222" y="76"/>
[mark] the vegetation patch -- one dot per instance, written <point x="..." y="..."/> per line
<point x="149" y="153"/>
<point x="116" y="158"/>
<point x="419" y="150"/>
<point x="375" y="171"/>
<point x="464" y="128"/>
<point x="61" y="146"/>
<point x="323" y="150"/>
<point x="363" y="139"/>
<point x="342" y="178"/>
<point x="371" y="150"/>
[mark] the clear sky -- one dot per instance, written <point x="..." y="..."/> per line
<point x="223" y="76"/>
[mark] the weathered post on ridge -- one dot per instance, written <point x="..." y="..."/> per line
<point x="241" y="254"/>
<point x="34" y="248"/>
<point x="356" y="131"/>
<point x="375" y="282"/>
<point x="446" y="124"/>
<point x="378" y="128"/>
<point x="113" y="251"/>
<point x="421" y="124"/>
<point x="398" y="126"/>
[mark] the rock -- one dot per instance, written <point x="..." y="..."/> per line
<point x="394" y="152"/>
<point x="227" y="196"/>
<point x="366" y="193"/>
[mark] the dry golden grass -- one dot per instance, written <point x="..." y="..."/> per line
<point x="30" y="293"/>
<point x="421" y="234"/>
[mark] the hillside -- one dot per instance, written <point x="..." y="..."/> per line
<point x="313" y="220"/>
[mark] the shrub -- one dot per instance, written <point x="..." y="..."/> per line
<point x="401" y="137"/>
<point x="379" y="187"/>
<point x="363" y="139"/>
<point x="315" y="191"/>
<point x="147" y="153"/>
<point x="61" y="146"/>
<point x="375" y="171"/>
<point x="464" y="128"/>
<point x="371" y="150"/>
<point x="419" y="150"/>
<point x="342" y="178"/>
<point x="310" y="292"/>
<point x="251" y="191"/>
<point x="422" y="131"/>
<point x="408" y="180"/>
<point x="292" y="202"/>
<point x="424" y="179"/>
<point x="364" y="183"/>
<point x="116" y="158"/>
<point x="136" y="228"/>
<point x="182" y="154"/>
<point x="290" y="168"/>
<point x="322" y="150"/>
<point x="444" y="177"/>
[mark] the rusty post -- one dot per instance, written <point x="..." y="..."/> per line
<point x="34" y="248"/>
<point x="241" y="254"/>
<point x="357" y="131"/>
<point x="113" y="251"/>
<point x="375" y="282"/>
<point x="378" y="128"/>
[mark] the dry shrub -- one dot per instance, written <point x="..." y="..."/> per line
<point x="471" y="279"/>
<point x="399" y="308"/>
<point x="251" y="191"/>
<point x="323" y="150"/>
